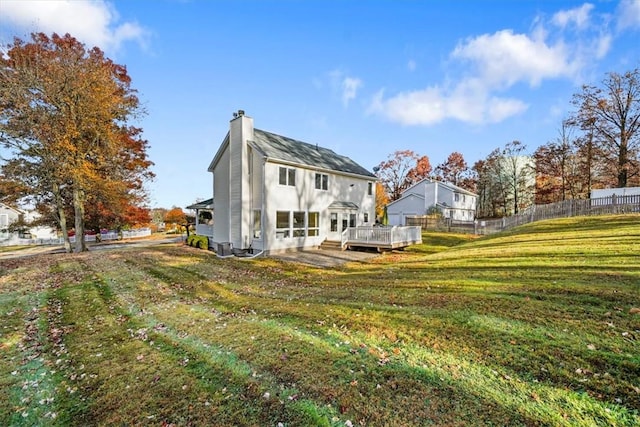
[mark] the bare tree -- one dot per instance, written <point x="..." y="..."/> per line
<point x="611" y="113"/>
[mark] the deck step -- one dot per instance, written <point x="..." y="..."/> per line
<point x="331" y="245"/>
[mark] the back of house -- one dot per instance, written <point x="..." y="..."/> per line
<point x="272" y="193"/>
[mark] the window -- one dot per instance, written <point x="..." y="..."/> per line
<point x="287" y="176"/>
<point x="292" y="177"/>
<point x="322" y="181"/>
<point x="369" y="188"/>
<point x="283" y="224"/>
<point x="457" y="197"/>
<point x="4" y="223"/>
<point x="257" y="224"/>
<point x="298" y="224"/>
<point x="334" y="221"/>
<point x="352" y="220"/>
<point x="366" y="217"/>
<point x="314" y="224"/>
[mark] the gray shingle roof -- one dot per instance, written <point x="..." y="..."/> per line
<point x="290" y="150"/>
<point x="205" y="204"/>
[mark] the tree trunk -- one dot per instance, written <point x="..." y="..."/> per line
<point x="62" y="218"/>
<point x="78" y="209"/>
<point x="622" y="166"/>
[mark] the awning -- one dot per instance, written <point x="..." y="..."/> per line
<point x="205" y="204"/>
<point x="343" y="205"/>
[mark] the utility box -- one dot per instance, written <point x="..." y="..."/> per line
<point x="224" y="249"/>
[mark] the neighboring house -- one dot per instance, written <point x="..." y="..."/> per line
<point x="423" y="196"/>
<point x="9" y="215"/>
<point x="272" y="193"/>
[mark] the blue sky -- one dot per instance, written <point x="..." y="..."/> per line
<point x="362" y="78"/>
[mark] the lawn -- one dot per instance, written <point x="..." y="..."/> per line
<point x="537" y="326"/>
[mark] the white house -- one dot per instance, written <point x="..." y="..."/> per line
<point x="9" y="215"/>
<point x="272" y="193"/>
<point x="454" y="202"/>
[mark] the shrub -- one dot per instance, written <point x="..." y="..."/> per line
<point x="201" y="242"/>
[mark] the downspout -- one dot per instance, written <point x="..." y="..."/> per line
<point x="435" y="192"/>
<point x="263" y="205"/>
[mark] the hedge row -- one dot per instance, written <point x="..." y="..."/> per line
<point x="196" y="241"/>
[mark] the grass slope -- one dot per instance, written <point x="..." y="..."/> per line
<point x="532" y="327"/>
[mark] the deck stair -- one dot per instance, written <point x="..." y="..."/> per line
<point x="333" y="245"/>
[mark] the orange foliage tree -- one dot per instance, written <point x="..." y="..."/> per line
<point x="175" y="216"/>
<point x="64" y="115"/>
<point x="402" y="169"/>
<point x="382" y="199"/>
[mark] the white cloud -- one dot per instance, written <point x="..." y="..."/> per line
<point x="628" y="14"/>
<point x="468" y="102"/>
<point x="94" y="23"/>
<point x="350" y="86"/>
<point x="492" y="64"/>
<point x="579" y="16"/>
<point x="346" y="86"/>
<point x="504" y="58"/>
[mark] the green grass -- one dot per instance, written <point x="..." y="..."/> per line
<point x="536" y="326"/>
<point x="14" y="248"/>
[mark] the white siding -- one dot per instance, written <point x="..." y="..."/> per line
<point x="410" y="205"/>
<point x="306" y="198"/>
<point x="221" y="199"/>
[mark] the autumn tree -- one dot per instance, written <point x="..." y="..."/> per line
<point x="175" y="216"/>
<point x="455" y="171"/>
<point x="65" y="115"/>
<point x="611" y="113"/>
<point x="517" y="176"/>
<point x="421" y="170"/>
<point x="402" y="169"/>
<point x="506" y="181"/>
<point x="557" y="168"/>
<point x="382" y="199"/>
<point x="490" y="201"/>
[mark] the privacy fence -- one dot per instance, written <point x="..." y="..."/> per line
<point x="566" y="208"/>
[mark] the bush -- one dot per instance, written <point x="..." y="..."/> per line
<point x="201" y="242"/>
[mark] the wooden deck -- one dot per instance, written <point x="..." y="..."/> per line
<point x="382" y="238"/>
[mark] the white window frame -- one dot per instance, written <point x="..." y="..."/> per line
<point x="289" y="177"/>
<point x="283" y="232"/>
<point x="299" y="223"/>
<point x="313" y="230"/>
<point x="321" y="181"/>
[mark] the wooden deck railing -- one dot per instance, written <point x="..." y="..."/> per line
<point x="381" y="237"/>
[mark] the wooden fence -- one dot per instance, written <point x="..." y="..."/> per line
<point x="566" y="208"/>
